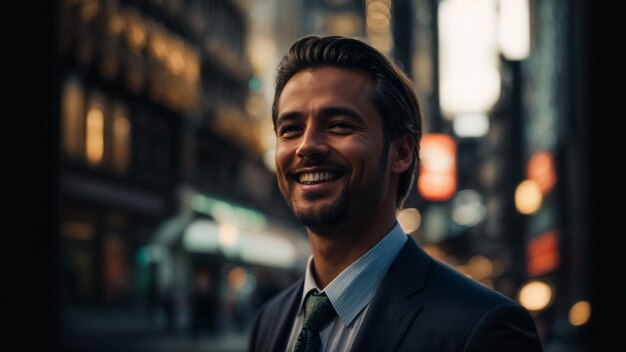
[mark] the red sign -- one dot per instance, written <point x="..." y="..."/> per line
<point x="543" y="254"/>
<point x="437" y="178"/>
<point x="541" y="170"/>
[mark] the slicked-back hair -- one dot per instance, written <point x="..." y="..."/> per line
<point x="392" y="92"/>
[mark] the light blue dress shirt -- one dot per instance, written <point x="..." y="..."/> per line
<point x="350" y="292"/>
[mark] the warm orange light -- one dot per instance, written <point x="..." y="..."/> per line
<point x="345" y="24"/>
<point x="158" y="45"/>
<point x="528" y="197"/>
<point x="116" y="24"/>
<point x="228" y="235"/>
<point x="541" y="170"/>
<point x="437" y="178"/>
<point x="192" y="67"/>
<point x="480" y="267"/>
<point x="72" y="110"/>
<point x="121" y="144"/>
<point x="435" y="252"/>
<point x="378" y="16"/>
<point x="535" y="295"/>
<point x="136" y="32"/>
<point x="378" y="20"/>
<point x="237" y="278"/>
<point x="543" y="254"/>
<point x="174" y="60"/>
<point x="88" y="10"/>
<point x="409" y="219"/>
<point x="94" y="141"/>
<point x="580" y="313"/>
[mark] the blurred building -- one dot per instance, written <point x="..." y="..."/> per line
<point x="161" y="169"/>
<point x="516" y="215"/>
<point x="167" y="144"/>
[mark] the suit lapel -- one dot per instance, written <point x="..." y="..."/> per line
<point x="285" y="318"/>
<point x="394" y="307"/>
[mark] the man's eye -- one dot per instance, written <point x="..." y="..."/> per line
<point x="340" y="127"/>
<point x="287" y="131"/>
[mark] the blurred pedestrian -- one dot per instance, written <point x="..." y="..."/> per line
<point x="168" y="302"/>
<point x="203" y="304"/>
<point x="348" y="127"/>
<point x="266" y="288"/>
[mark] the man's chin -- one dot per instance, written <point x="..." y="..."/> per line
<point x="314" y="220"/>
<point x="328" y="215"/>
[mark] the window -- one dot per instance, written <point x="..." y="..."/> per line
<point x="120" y="140"/>
<point x="72" y="110"/>
<point x="94" y="131"/>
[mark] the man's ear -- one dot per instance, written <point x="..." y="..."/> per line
<point x="401" y="151"/>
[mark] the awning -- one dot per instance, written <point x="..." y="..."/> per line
<point x="256" y="247"/>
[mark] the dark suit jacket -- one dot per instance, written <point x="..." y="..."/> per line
<point x="421" y="305"/>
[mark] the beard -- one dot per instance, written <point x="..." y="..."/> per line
<point x="339" y="209"/>
<point x="329" y="214"/>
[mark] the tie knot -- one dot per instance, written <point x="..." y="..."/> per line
<point x="318" y="312"/>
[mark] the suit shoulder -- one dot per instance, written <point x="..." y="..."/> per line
<point x="456" y="312"/>
<point x="459" y="288"/>
<point x="271" y="319"/>
<point x="278" y="304"/>
<point x="283" y="296"/>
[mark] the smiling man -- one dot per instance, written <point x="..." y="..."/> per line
<point x="348" y="127"/>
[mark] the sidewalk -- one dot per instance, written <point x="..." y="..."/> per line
<point x="105" y="331"/>
<point x="159" y="343"/>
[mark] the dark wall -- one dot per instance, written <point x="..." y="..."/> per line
<point x="603" y="79"/>
<point x="28" y="246"/>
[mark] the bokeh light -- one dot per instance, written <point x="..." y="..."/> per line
<point x="480" y="267"/>
<point x="580" y="313"/>
<point x="410" y="219"/>
<point x="468" y="209"/>
<point x="228" y="235"/>
<point x="514" y="29"/>
<point x="535" y="295"/>
<point x="471" y="125"/>
<point x="528" y="197"/>
<point x="94" y="139"/>
<point x="541" y="170"/>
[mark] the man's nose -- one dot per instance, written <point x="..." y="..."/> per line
<point x="313" y="144"/>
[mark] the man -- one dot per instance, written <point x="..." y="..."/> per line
<point x="348" y="127"/>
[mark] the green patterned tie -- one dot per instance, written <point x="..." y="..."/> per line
<point x="318" y="312"/>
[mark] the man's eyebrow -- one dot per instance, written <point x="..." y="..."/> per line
<point x="342" y="110"/>
<point x="324" y="112"/>
<point x="287" y="117"/>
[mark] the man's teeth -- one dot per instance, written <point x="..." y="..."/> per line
<point x="316" y="177"/>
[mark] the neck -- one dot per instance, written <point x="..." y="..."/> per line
<point x="335" y="247"/>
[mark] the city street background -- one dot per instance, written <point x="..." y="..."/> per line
<point x="144" y="215"/>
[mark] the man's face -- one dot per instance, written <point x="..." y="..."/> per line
<point x="330" y="157"/>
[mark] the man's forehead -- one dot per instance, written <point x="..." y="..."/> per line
<point x="330" y="72"/>
<point x="328" y="81"/>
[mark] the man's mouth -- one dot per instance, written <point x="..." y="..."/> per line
<point x="313" y="178"/>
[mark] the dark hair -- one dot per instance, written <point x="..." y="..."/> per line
<point x="392" y="91"/>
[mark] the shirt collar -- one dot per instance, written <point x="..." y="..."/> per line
<point x="354" y="288"/>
